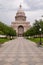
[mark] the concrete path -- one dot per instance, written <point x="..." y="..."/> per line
<point x="21" y="52"/>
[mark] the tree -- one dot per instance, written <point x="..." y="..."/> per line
<point x="1" y="33"/>
<point x="8" y="31"/>
<point x="38" y="24"/>
<point x="34" y="30"/>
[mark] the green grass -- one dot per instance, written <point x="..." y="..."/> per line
<point x="2" y="40"/>
<point x="36" y="40"/>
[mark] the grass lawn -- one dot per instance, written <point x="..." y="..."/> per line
<point x="36" y="40"/>
<point x="2" y="40"/>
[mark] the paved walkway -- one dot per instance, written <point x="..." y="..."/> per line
<point x="21" y="52"/>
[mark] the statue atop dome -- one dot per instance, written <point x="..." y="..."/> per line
<point x="20" y="6"/>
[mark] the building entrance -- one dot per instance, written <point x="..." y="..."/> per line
<point x="20" y="31"/>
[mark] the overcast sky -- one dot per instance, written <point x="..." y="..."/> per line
<point x="32" y="8"/>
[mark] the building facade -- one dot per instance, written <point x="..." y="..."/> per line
<point x="20" y="24"/>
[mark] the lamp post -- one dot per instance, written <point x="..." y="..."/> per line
<point x="40" y="43"/>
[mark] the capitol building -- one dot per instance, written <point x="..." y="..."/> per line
<point x="20" y="24"/>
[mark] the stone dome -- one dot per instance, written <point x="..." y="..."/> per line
<point x="20" y="15"/>
<point x="20" y="12"/>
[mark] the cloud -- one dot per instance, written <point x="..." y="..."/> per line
<point x="32" y="8"/>
<point x="7" y="5"/>
<point x="10" y="5"/>
<point x="34" y="15"/>
<point x="34" y="4"/>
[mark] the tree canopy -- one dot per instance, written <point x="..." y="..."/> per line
<point x="6" y="30"/>
<point x="34" y="30"/>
